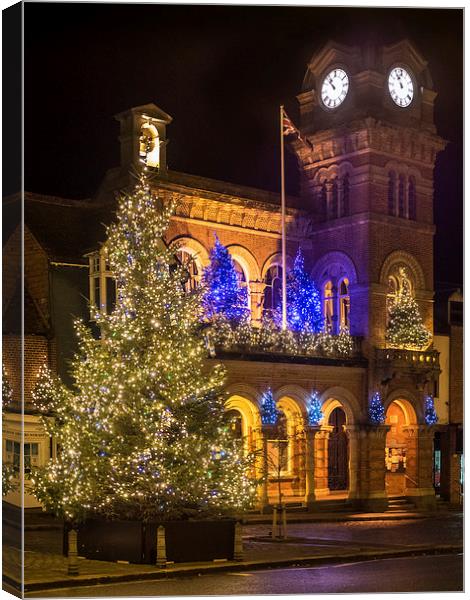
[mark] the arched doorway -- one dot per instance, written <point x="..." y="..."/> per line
<point x="338" y="451"/>
<point x="399" y="415"/>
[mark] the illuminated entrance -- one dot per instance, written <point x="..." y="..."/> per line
<point x="400" y="414"/>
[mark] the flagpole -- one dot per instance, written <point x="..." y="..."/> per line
<point x="283" y="226"/>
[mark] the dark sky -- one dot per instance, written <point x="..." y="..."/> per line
<point x="221" y="72"/>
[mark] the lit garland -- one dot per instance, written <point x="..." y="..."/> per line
<point x="142" y="434"/>
<point x="314" y="411"/>
<point x="304" y="311"/>
<point x="376" y="410"/>
<point x="269" y="411"/>
<point x="223" y="294"/>
<point x="430" y="414"/>
<point x="405" y="328"/>
<point x="270" y="338"/>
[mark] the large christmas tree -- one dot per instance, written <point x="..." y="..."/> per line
<point x="405" y="328"/>
<point x="304" y="311"/>
<point x="223" y="295"/>
<point x="143" y="433"/>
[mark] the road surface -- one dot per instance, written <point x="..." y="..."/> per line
<point x="412" y="574"/>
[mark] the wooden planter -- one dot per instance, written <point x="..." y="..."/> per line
<point x="136" y="542"/>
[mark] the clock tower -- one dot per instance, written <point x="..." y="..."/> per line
<point x="367" y="177"/>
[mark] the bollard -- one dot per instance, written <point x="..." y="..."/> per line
<point x="273" y="532"/>
<point x="72" y="554"/>
<point x="284" y="523"/>
<point x="238" y="542"/>
<point x="161" y="547"/>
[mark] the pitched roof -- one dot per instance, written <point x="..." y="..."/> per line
<point x="66" y="229"/>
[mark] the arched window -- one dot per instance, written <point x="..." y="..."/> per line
<point x="334" y="200"/>
<point x="328" y="306"/>
<point x="412" y="198"/>
<point x="392" y="180"/>
<point x="344" y="212"/>
<point x="273" y="289"/>
<point x="149" y="145"/>
<point x="242" y="280"/>
<point x="188" y="260"/>
<point x="344" y="304"/>
<point x="278" y="447"/>
<point x="401" y="197"/>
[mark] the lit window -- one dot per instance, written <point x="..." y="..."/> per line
<point x="194" y="273"/>
<point x="30" y="457"/>
<point x="344" y="304"/>
<point x="328" y="306"/>
<point x="273" y="289"/>
<point x="242" y="280"/>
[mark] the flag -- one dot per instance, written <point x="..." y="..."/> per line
<point x="287" y="126"/>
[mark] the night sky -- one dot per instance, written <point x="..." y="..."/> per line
<point x="221" y="72"/>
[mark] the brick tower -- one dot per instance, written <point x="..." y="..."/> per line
<point x="368" y="175"/>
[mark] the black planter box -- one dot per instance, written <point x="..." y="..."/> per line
<point x="136" y="542"/>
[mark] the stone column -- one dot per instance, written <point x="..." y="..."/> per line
<point x="320" y="461"/>
<point x="367" y="463"/>
<point x="377" y="496"/>
<point x="419" y="466"/>
<point x="310" y="434"/>
<point x="256" y="295"/>
<point x="354" y="445"/>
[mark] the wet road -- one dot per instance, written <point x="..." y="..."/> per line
<point x="412" y="574"/>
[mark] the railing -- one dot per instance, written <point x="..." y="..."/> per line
<point x="247" y="339"/>
<point x="415" y="358"/>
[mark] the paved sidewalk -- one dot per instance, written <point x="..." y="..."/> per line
<point x="45" y="571"/>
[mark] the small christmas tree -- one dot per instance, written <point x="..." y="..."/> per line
<point x="269" y="411"/>
<point x="405" y="327"/>
<point x="8" y="470"/>
<point x="304" y="310"/>
<point x="143" y="433"/>
<point x="223" y="292"/>
<point x="314" y="411"/>
<point x="376" y="410"/>
<point x="430" y="415"/>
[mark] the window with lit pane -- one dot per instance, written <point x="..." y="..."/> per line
<point x="273" y="289"/>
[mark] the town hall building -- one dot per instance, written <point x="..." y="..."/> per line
<point x="366" y="150"/>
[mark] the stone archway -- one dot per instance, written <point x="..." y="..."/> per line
<point x="400" y="415"/>
<point x="338" y="451"/>
<point x="286" y="449"/>
<point x="336" y="444"/>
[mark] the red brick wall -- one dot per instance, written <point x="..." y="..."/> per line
<point x="36" y="352"/>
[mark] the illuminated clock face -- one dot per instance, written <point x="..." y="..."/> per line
<point x="334" y="88"/>
<point x="400" y="86"/>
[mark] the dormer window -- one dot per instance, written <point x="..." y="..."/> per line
<point x="102" y="284"/>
